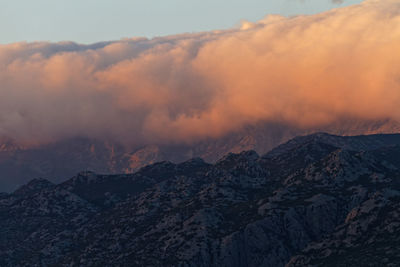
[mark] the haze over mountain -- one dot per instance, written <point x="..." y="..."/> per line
<point x="62" y="159"/>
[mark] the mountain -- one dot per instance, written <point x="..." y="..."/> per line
<point x="317" y="200"/>
<point x="62" y="159"/>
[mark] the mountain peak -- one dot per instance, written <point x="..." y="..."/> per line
<point x="249" y="155"/>
<point x="356" y="143"/>
<point x="34" y="185"/>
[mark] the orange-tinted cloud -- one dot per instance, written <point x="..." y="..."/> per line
<point x="306" y="71"/>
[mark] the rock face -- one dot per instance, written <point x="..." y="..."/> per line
<point x="318" y="200"/>
<point x="61" y="160"/>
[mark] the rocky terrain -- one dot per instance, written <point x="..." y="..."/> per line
<point x="317" y="200"/>
<point x="61" y="160"/>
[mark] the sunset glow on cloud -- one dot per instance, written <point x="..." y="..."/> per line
<point x="306" y="71"/>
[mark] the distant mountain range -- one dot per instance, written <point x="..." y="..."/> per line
<point x="60" y="160"/>
<point x="316" y="200"/>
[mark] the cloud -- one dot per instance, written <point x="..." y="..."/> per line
<point x="306" y="71"/>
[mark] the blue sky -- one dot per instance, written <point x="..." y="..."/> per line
<point x="88" y="21"/>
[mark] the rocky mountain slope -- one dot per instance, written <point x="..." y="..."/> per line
<point x="60" y="160"/>
<point x="318" y="200"/>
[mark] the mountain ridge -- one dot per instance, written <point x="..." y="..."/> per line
<point x="59" y="160"/>
<point x="244" y="210"/>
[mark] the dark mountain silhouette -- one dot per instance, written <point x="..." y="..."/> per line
<point x="61" y="160"/>
<point x="318" y="200"/>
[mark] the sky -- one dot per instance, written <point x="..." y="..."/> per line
<point x="90" y="21"/>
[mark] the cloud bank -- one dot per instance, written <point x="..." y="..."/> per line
<point x="305" y="71"/>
